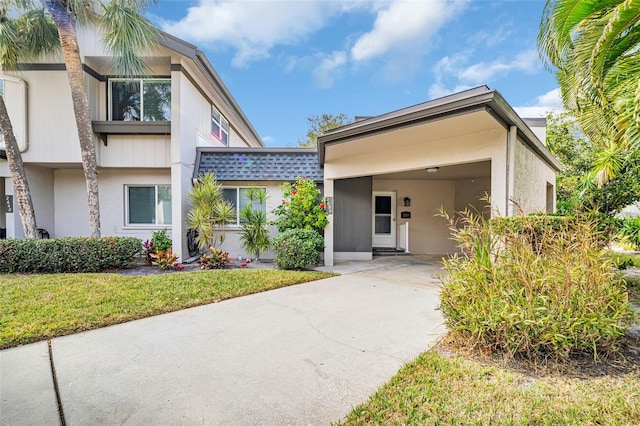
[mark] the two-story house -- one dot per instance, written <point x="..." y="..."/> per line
<point x="385" y="177"/>
<point x="147" y="129"/>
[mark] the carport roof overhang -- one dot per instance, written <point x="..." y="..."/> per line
<point x="473" y="100"/>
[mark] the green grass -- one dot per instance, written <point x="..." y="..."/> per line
<point x="436" y="389"/>
<point x="37" y="307"/>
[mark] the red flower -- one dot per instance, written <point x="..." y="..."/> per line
<point x="248" y="261"/>
<point x="322" y="206"/>
<point x="283" y="202"/>
<point x="243" y="264"/>
<point x="294" y="192"/>
<point x="175" y="263"/>
<point x="180" y="267"/>
<point x="304" y="177"/>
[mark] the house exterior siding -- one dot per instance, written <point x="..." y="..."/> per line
<point x="531" y="179"/>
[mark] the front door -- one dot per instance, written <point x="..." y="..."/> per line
<point x="384" y="219"/>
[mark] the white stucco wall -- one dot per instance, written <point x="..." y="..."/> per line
<point x="71" y="213"/>
<point x="470" y="192"/>
<point x="530" y="181"/>
<point x="429" y="233"/>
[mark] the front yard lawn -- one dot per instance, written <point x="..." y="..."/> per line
<point x="37" y="307"/>
<point x="439" y="388"/>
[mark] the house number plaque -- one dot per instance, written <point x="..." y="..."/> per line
<point x="8" y="203"/>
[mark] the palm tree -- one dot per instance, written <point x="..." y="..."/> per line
<point x="20" y="184"/>
<point x="209" y="212"/>
<point x="594" y="48"/>
<point x="126" y="33"/>
<point x="255" y="234"/>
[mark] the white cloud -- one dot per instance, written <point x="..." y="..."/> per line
<point x="268" y="139"/>
<point x="482" y="72"/>
<point x="548" y="102"/>
<point x="402" y="24"/>
<point x="253" y="28"/>
<point x="329" y="68"/>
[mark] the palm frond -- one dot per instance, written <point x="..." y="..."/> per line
<point x="127" y="35"/>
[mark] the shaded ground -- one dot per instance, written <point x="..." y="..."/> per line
<point x="143" y="269"/>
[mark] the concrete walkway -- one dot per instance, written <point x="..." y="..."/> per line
<point x="305" y="354"/>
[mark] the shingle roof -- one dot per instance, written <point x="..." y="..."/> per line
<point x="251" y="164"/>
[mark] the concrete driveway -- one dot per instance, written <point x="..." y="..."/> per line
<point x="305" y="354"/>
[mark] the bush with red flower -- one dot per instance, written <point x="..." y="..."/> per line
<point x="302" y="207"/>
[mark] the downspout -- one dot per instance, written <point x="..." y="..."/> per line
<point x="512" y="138"/>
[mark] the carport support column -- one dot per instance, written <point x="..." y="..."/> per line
<point x="328" y="230"/>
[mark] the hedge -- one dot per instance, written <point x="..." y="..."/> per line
<point x="68" y="254"/>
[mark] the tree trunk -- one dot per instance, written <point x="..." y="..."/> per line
<point x="68" y="40"/>
<point x="20" y="184"/>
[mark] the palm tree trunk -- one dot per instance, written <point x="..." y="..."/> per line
<point x="68" y="40"/>
<point x="20" y="184"/>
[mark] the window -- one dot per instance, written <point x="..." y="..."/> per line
<point x="238" y="198"/>
<point x="146" y="99"/>
<point x="148" y="205"/>
<point x="219" y="126"/>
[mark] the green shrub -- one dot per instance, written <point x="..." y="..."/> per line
<point x="302" y="207"/>
<point x="215" y="258"/>
<point x="68" y="254"/>
<point x="629" y="232"/>
<point x="297" y="248"/>
<point x="551" y="292"/>
<point x="162" y="242"/>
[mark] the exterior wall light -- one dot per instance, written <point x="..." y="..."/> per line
<point x="432" y="169"/>
<point x="407" y="201"/>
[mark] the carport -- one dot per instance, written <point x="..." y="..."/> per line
<point x="386" y="177"/>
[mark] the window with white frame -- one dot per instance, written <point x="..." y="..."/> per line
<point x="238" y="197"/>
<point x="148" y="205"/>
<point x="140" y="99"/>
<point x="219" y="126"/>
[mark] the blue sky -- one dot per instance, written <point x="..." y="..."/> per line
<point x="285" y="61"/>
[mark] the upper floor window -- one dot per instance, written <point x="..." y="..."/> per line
<point x="219" y="126"/>
<point x="140" y="99"/>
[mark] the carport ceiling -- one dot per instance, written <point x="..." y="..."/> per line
<point x="452" y="172"/>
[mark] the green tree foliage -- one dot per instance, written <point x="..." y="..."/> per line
<point x="577" y="191"/>
<point x="594" y="47"/>
<point x="209" y="212"/>
<point x="302" y="207"/>
<point x="318" y="124"/>
<point x="32" y="29"/>
<point x="255" y="234"/>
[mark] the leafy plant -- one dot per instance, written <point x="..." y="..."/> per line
<point x="255" y="234"/>
<point x="297" y="248"/>
<point x="215" y="258"/>
<point x="165" y="259"/>
<point x="534" y="290"/>
<point x="209" y="212"/>
<point x="148" y="248"/>
<point x="161" y="240"/>
<point x="629" y="232"/>
<point x="302" y="207"/>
